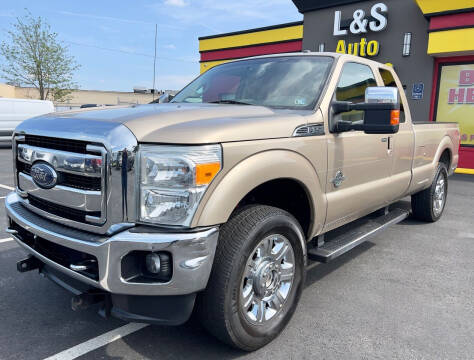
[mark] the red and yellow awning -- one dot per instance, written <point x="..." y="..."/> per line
<point x="451" y="26"/>
<point x="218" y="49"/>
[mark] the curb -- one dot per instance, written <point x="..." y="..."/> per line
<point x="464" y="171"/>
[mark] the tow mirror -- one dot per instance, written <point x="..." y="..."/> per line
<point x="381" y="112"/>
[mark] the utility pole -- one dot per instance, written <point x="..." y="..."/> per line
<point x="154" y="62"/>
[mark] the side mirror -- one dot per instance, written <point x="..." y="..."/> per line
<point x="165" y="98"/>
<point x="381" y="112"/>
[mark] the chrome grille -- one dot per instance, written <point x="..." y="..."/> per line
<point x="79" y="194"/>
<point x="66" y="179"/>
<point x="75" y="146"/>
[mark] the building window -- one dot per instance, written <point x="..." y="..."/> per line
<point x="407" y="44"/>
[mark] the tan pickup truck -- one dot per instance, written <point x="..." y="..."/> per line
<point x="216" y="200"/>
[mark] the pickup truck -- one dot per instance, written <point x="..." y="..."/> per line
<point x="216" y="200"/>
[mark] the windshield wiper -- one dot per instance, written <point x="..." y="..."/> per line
<point x="233" y="102"/>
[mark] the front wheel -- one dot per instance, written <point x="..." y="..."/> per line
<point x="428" y="205"/>
<point x="257" y="278"/>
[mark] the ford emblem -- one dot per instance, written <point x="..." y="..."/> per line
<point x="44" y="175"/>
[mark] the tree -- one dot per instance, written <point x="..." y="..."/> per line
<point x="35" y="57"/>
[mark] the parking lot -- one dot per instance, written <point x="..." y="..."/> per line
<point x="406" y="294"/>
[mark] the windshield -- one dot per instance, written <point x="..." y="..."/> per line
<point x="288" y="82"/>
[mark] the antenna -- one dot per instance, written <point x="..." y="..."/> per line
<point x="154" y="62"/>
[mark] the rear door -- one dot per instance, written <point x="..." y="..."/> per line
<point x="401" y="144"/>
<point x="359" y="164"/>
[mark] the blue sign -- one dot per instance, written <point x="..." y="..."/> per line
<point x="417" y="92"/>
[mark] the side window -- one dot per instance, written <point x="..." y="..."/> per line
<point x="389" y="81"/>
<point x="355" y="78"/>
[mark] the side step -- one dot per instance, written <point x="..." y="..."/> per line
<point x="353" y="236"/>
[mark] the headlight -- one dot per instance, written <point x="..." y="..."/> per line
<point x="173" y="180"/>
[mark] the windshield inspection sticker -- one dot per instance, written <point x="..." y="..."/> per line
<point x="300" y="101"/>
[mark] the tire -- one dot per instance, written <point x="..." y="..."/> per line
<point x="423" y="203"/>
<point x="233" y="279"/>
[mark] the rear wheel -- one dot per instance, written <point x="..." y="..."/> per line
<point x="428" y="205"/>
<point x="257" y="278"/>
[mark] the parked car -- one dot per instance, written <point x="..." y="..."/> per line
<point x="217" y="200"/>
<point x="14" y="111"/>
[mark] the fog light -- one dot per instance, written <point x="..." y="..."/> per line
<point x="153" y="263"/>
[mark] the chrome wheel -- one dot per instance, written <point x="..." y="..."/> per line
<point x="267" y="279"/>
<point x="439" y="196"/>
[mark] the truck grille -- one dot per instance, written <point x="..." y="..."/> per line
<point x="66" y="179"/>
<point x="80" y="174"/>
<point x="60" y="210"/>
<point x="75" y="146"/>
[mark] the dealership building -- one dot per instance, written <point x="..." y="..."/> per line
<point x="430" y="43"/>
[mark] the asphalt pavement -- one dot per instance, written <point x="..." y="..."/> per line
<point x="406" y="294"/>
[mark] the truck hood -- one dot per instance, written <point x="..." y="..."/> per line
<point x="190" y="123"/>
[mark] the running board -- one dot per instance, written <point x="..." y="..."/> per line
<point x="354" y="236"/>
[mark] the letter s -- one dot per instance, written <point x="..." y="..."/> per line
<point x="377" y="12"/>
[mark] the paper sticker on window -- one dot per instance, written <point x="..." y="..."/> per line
<point x="300" y="101"/>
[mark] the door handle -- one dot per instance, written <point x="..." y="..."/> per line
<point x="389" y="141"/>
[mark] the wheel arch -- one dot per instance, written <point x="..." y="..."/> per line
<point x="265" y="168"/>
<point x="444" y="154"/>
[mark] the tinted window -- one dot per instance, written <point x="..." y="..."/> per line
<point x="355" y="78"/>
<point x="290" y="82"/>
<point x="389" y="81"/>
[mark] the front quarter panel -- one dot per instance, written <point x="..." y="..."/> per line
<point x="241" y="177"/>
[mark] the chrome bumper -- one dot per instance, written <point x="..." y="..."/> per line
<point x="192" y="253"/>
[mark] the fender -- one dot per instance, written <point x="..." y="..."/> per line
<point x="423" y="175"/>
<point x="445" y="144"/>
<point x="254" y="171"/>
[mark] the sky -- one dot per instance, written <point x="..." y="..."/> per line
<point x="113" y="41"/>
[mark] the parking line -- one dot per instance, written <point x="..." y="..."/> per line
<point x="5" y="240"/>
<point x="97" y="342"/>
<point x="6" y="187"/>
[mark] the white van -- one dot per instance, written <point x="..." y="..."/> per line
<point x="14" y="111"/>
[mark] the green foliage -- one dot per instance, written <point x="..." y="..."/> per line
<point x="35" y="57"/>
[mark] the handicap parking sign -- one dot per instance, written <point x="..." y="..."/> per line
<point x="417" y="92"/>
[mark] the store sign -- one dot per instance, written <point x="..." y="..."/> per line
<point x="362" y="48"/>
<point x="360" y="24"/>
<point x="456" y="99"/>
<point x="463" y="94"/>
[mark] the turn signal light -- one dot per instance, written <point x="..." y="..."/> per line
<point x="206" y="172"/>
<point x="395" y="117"/>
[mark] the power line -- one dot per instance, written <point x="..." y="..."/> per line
<point x="128" y="52"/>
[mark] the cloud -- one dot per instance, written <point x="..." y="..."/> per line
<point x="170" y="46"/>
<point x="100" y="17"/>
<point x="220" y="16"/>
<point x="177" y="3"/>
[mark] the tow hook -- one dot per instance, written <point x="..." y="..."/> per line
<point x="86" y="300"/>
<point x="28" y="264"/>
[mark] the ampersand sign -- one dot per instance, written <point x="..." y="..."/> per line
<point x="359" y="24"/>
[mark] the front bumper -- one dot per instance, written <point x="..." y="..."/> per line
<point x="192" y="253"/>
